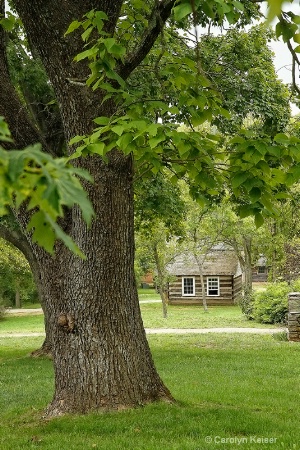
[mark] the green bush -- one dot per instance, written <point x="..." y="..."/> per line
<point x="271" y="305"/>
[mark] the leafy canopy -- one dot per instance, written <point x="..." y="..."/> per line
<point x="255" y="169"/>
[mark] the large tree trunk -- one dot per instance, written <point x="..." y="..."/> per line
<point x="100" y="351"/>
<point x="101" y="355"/>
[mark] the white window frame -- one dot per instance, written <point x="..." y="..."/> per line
<point x="189" y="294"/>
<point x="209" y="280"/>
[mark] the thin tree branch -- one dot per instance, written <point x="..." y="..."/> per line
<point x="158" y="17"/>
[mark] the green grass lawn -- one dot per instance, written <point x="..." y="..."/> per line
<point x="240" y="388"/>
<point x="178" y="317"/>
<point x="148" y="294"/>
<point x="195" y="317"/>
<point x="22" y="324"/>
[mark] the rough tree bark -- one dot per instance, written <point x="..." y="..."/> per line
<point x="100" y="351"/>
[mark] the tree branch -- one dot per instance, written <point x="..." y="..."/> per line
<point x="295" y="58"/>
<point x="23" y="130"/>
<point x="17" y="238"/>
<point x="158" y="17"/>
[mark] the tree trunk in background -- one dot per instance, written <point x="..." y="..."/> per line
<point x="247" y="243"/>
<point x="200" y="269"/>
<point x="204" y="302"/>
<point x="161" y="282"/>
<point x="18" y="299"/>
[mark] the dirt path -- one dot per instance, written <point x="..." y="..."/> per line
<point x="23" y="311"/>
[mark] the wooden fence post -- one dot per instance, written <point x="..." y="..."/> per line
<point x="294" y="317"/>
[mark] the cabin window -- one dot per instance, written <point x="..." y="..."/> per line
<point x="213" y="286"/>
<point x="261" y="269"/>
<point x="188" y="286"/>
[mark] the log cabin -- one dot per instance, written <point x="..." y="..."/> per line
<point x="222" y="279"/>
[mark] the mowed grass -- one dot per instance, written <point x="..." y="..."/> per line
<point x="178" y="317"/>
<point x="227" y="387"/>
<point x="22" y="324"/>
<point x="195" y="317"/>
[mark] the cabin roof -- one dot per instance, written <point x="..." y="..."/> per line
<point x="219" y="261"/>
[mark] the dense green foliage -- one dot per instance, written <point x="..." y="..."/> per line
<point x="271" y="305"/>
<point x="195" y="88"/>
<point x="240" y="64"/>
<point x="15" y="276"/>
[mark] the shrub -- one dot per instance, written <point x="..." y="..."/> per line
<point x="271" y="305"/>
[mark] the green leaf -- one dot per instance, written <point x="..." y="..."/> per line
<point x="282" y="138"/>
<point x="91" y="52"/>
<point x="259" y="220"/>
<point x="76" y="139"/>
<point x="43" y="234"/>
<point x="155" y="141"/>
<point x="245" y="211"/>
<point x="124" y="141"/>
<point x="118" y="129"/>
<point x="102" y="120"/>
<point x="296" y="19"/>
<point x="255" y="194"/>
<point x="239" y="179"/>
<point x="86" y="34"/>
<point x="73" y="26"/>
<point x="296" y="38"/>
<point x="274" y="9"/>
<point x="238" y="5"/>
<point x="97" y="148"/>
<point x="182" y="10"/>
<point x="7" y="23"/>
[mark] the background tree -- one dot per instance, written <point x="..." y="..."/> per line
<point x="158" y="249"/>
<point x="202" y="234"/>
<point x="240" y="63"/>
<point x="159" y="213"/>
<point x="16" y="281"/>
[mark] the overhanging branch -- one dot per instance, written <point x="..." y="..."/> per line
<point x="158" y="17"/>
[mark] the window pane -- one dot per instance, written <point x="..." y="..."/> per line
<point x="188" y="286"/>
<point x="213" y="286"/>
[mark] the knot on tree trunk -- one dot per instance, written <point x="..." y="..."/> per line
<point x="66" y="322"/>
